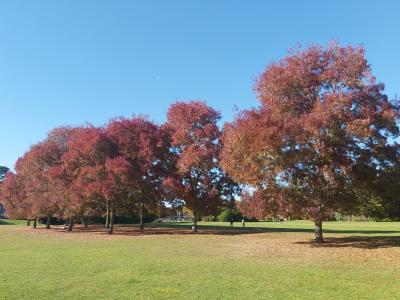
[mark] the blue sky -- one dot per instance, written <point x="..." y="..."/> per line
<point x="71" y="62"/>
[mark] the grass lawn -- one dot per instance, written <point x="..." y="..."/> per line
<point x="12" y="222"/>
<point x="265" y="260"/>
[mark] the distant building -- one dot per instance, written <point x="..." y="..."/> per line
<point x="2" y="211"/>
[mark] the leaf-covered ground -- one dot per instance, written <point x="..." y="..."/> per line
<point x="360" y="260"/>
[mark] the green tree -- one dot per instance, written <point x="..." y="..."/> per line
<point x="3" y="172"/>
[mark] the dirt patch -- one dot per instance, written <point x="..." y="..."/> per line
<point x="341" y="249"/>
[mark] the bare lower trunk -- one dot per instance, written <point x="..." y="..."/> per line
<point x="141" y="224"/>
<point x="112" y="216"/>
<point x="318" y="232"/>
<point x="48" y="222"/>
<point x="108" y="215"/>
<point x="194" y="227"/>
<point x="71" y="224"/>
<point x="35" y="222"/>
<point x="85" y="221"/>
<point x="28" y="222"/>
<point x="66" y="224"/>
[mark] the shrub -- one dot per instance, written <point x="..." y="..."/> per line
<point x="230" y="214"/>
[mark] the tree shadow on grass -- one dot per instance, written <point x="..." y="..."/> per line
<point x="361" y="242"/>
<point x="185" y="229"/>
<point x="132" y="230"/>
<point x="250" y="230"/>
<point x="6" y="222"/>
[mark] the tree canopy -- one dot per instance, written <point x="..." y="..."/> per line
<point x="197" y="179"/>
<point x="323" y="129"/>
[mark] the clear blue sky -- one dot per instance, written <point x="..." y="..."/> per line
<point x="71" y="62"/>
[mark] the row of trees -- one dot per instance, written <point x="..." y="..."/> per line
<point x="127" y="167"/>
<point x="323" y="139"/>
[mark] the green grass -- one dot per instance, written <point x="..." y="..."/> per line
<point x="12" y="222"/>
<point x="265" y="260"/>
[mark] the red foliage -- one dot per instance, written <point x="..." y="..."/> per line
<point x="253" y="205"/>
<point x="195" y="133"/>
<point x="198" y="179"/>
<point x="14" y="198"/>
<point x="89" y="148"/>
<point x="322" y="128"/>
<point x="271" y="203"/>
<point x="145" y="149"/>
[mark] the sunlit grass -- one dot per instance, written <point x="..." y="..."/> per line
<point x="275" y="263"/>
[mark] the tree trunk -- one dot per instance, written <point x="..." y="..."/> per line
<point x="141" y="224"/>
<point x="34" y="222"/>
<point x="108" y="215"/>
<point x="28" y="222"/>
<point x="71" y="224"/>
<point x="194" y="227"/>
<point x="48" y="222"/>
<point x="112" y="216"/>
<point x="85" y="221"/>
<point x="66" y="223"/>
<point x="318" y="231"/>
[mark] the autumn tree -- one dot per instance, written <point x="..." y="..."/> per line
<point x="14" y="198"/>
<point x="3" y="173"/>
<point x="95" y="169"/>
<point x="46" y="196"/>
<point x="253" y="205"/>
<point x="57" y="143"/>
<point x="145" y="147"/>
<point x="322" y="129"/>
<point x="198" y="179"/>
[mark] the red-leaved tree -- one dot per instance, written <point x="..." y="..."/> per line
<point x="96" y="172"/>
<point x="45" y="194"/>
<point x="198" y="179"/>
<point x="145" y="148"/>
<point x="323" y="127"/>
<point x="14" y="198"/>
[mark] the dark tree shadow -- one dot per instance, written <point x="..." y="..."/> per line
<point x="5" y="222"/>
<point x="247" y="230"/>
<point x="367" y="242"/>
<point x="362" y="242"/>
<point x="132" y="230"/>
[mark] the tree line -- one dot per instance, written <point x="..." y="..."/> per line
<point x="322" y="140"/>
